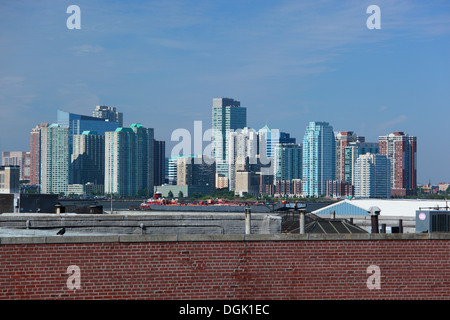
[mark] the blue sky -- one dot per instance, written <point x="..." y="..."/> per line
<point x="289" y="62"/>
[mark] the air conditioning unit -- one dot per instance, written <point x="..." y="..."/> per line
<point x="432" y="221"/>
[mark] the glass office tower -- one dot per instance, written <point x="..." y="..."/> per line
<point x="288" y="161"/>
<point x="78" y="123"/>
<point x="319" y="158"/>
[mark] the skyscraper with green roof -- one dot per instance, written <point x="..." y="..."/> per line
<point x="54" y="147"/>
<point x="129" y="161"/>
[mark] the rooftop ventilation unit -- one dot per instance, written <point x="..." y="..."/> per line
<point x="432" y="220"/>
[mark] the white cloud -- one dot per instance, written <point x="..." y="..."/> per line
<point x="86" y="49"/>
<point x="391" y="123"/>
<point x="7" y="82"/>
<point x="15" y="94"/>
<point x="169" y="43"/>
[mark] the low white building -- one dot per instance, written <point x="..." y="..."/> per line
<point x="394" y="212"/>
<point x="389" y="207"/>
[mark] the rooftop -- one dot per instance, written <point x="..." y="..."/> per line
<point x="315" y="224"/>
<point x="88" y="132"/>
<point x="390" y="207"/>
<point x="120" y="129"/>
<point x="66" y="238"/>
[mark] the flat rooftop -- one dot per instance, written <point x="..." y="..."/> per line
<point x="135" y="222"/>
<point x="68" y="239"/>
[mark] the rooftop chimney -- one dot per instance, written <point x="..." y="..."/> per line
<point x="374" y="213"/>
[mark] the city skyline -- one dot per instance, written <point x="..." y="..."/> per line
<point x="288" y="63"/>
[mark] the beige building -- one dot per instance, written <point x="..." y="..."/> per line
<point x="9" y="179"/>
<point x="443" y="186"/>
<point x="221" y="181"/>
<point x="195" y="171"/>
<point x="18" y="158"/>
<point x="246" y="180"/>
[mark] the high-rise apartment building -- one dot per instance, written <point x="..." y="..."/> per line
<point x="16" y="158"/>
<point x="129" y="161"/>
<point x="401" y="150"/>
<point x="288" y="161"/>
<point x="343" y="139"/>
<point x="372" y="176"/>
<point x="77" y="124"/>
<point x="88" y="159"/>
<point x="242" y="143"/>
<point x="271" y="137"/>
<point x="54" y="159"/>
<point x="172" y="169"/>
<point x="12" y="158"/>
<point x="195" y="171"/>
<point x="247" y="177"/>
<point x="108" y="113"/>
<point x="351" y="153"/>
<point x="285" y="137"/>
<point x="159" y="157"/>
<point x="25" y="170"/>
<point x="227" y="116"/>
<point x="35" y="153"/>
<point x="319" y="158"/>
<point x="9" y="179"/>
<point x="268" y="140"/>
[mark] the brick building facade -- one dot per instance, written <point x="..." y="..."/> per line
<point x="226" y="267"/>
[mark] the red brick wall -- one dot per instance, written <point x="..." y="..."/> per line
<point x="228" y="270"/>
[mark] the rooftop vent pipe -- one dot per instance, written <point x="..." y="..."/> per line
<point x="302" y="221"/>
<point x="374" y="213"/>
<point x="248" y="220"/>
